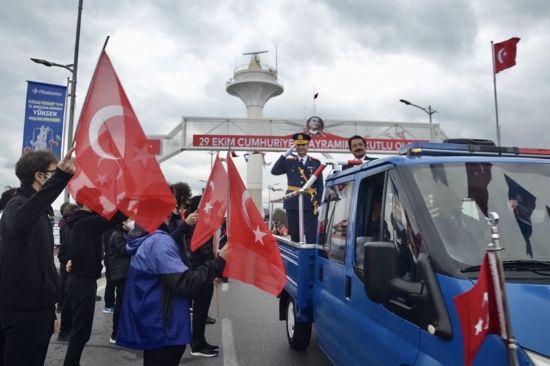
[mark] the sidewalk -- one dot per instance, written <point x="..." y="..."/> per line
<point x="99" y="352"/>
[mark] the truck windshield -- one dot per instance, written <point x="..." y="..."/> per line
<point x="460" y="195"/>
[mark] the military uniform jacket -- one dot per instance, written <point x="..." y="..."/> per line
<point x="297" y="175"/>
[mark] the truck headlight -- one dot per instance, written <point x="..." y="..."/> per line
<point x="538" y="359"/>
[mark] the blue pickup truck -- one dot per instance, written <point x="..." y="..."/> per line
<point x="400" y="237"/>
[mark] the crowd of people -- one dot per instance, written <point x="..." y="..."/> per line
<point x="150" y="276"/>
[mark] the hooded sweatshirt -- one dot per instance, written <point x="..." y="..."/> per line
<point x="155" y="310"/>
<point x="84" y="242"/>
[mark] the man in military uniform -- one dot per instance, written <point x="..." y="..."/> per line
<point x="298" y="170"/>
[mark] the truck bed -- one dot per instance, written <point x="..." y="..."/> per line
<point x="299" y="262"/>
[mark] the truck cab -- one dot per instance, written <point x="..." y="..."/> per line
<point x="400" y="237"/>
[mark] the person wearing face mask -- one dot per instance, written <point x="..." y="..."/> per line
<point x="29" y="282"/>
<point x="298" y="170"/>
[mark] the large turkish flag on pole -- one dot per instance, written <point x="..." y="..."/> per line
<point x="114" y="169"/>
<point x="212" y="207"/>
<point x="479" y="310"/>
<point x="254" y="256"/>
<point x="505" y="54"/>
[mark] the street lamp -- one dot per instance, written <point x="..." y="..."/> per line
<point x="270" y="207"/>
<point x="428" y="110"/>
<point x="73" y="69"/>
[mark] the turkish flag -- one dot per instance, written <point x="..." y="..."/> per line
<point x="478" y="311"/>
<point x="114" y="169"/>
<point x="254" y="256"/>
<point x="505" y="54"/>
<point x="212" y="206"/>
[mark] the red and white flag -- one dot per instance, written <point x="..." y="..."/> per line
<point x="212" y="206"/>
<point x="505" y="54"/>
<point x="254" y="257"/>
<point x="114" y="168"/>
<point x="480" y="310"/>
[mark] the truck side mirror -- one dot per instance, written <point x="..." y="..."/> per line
<point x="380" y="268"/>
<point x="381" y="273"/>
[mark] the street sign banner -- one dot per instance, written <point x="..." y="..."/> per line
<point x="44" y="111"/>
<point x="330" y="143"/>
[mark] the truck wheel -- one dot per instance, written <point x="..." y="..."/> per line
<point x="298" y="334"/>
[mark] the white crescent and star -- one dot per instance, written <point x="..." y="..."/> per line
<point x="258" y="235"/>
<point x="207" y="207"/>
<point x="97" y="121"/>
<point x="479" y="327"/>
<point x="246" y="197"/>
<point x="501" y="54"/>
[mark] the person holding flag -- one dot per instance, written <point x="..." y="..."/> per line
<point x="203" y="297"/>
<point x="159" y="286"/>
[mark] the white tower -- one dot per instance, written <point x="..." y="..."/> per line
<point x="254" y="84"/>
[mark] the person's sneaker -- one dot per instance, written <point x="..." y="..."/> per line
<point x="203" y="352"/>
<point x="108" y="310"/>
<point x="63" y="337"/>
<point x="112" y="340"/>
<point x="212" y="347"/>
<point x="97" y="298"/>
<point x="210" y="320"/>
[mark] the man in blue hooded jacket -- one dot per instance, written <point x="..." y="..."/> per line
<point x="158" y="287"/>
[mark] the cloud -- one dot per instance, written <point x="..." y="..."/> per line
<point x="174" y="58"/>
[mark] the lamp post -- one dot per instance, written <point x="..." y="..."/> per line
<point x="428" y="110"/>
<point x="73" y="68"/>
<point x="270" y="207"/>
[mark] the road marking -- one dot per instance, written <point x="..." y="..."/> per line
<point x="225" y="286"/>
<point x="229" y="353"/>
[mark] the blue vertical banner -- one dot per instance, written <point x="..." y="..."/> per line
<point x="44" y="111"/>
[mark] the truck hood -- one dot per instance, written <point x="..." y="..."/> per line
<point x="529" y="306"/>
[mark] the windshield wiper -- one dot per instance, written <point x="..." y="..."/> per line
<point x="516" y="265"/>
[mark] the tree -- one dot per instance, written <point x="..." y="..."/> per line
<point x="279" y="217"/>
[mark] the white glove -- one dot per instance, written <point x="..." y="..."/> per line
<point x="289" y="151"/>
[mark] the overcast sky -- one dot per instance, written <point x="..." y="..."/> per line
<point x="174" y="57"/>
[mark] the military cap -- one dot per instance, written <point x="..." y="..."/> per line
<point x="301" y="138"/>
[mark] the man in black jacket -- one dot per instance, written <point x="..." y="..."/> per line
<point x="203" y="296"/>
<point x="29" y="282"/>
<point x="86" y="253"/>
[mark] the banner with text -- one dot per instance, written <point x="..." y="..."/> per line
<point x="325" y="143"/>
<point x="44" y="111"/>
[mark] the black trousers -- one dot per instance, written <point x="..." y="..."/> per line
<point x="310" y="226"/>
<point x="25" y="336"/>
<point x="201" y="304"/>
<point x="119" y="289"/>
<point x="81" y="293"/>
<point x="165" y="356"/>
<point x="63" y="274"/>
<point x="109" y="287"/>
<point x="66" y="310"/>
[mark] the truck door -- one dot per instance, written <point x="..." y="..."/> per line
<point x="329" y="285"/>
<point x="375" y="334"/>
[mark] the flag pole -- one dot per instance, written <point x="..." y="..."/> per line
<point x="313" y="100"/>
<point x="495" y="91"/>
<point x="499" y="284"/>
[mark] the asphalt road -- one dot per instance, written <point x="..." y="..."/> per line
<point x="247" y="330"/>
